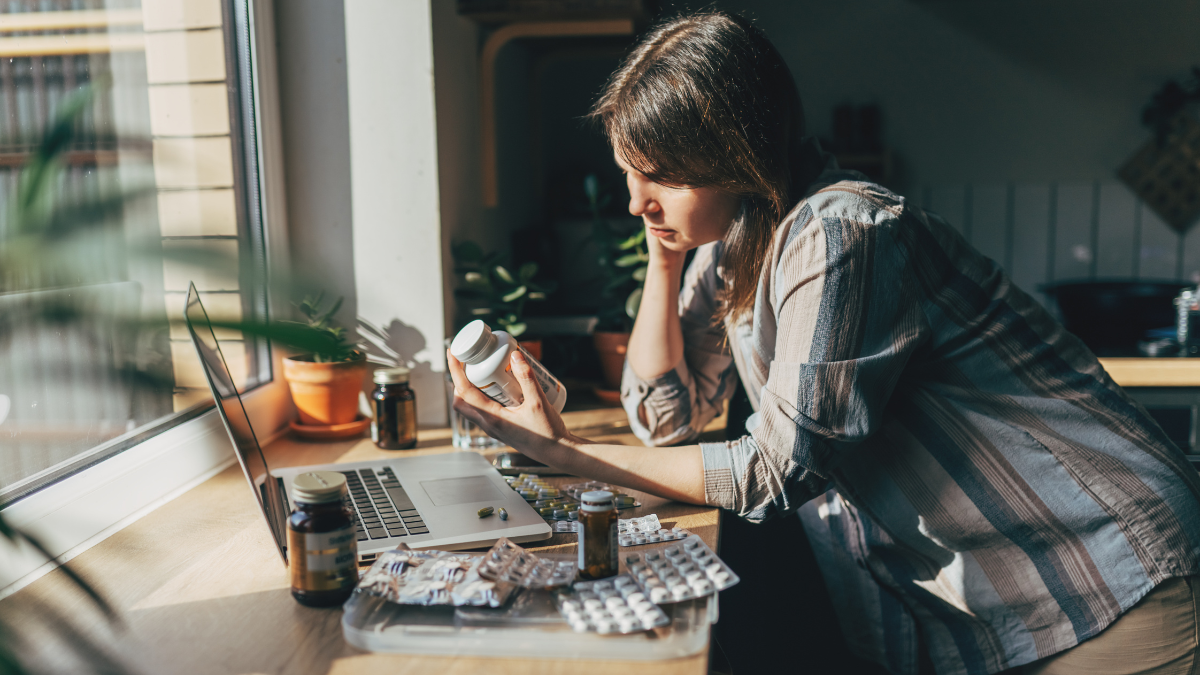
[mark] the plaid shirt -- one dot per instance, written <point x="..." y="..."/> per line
<point x="960" y="462"/>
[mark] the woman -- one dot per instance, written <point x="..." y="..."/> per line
<point x="966" y="469"/>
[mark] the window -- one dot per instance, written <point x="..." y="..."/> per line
<point x="172" y="126"/>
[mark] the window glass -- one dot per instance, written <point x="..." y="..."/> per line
<point x="156" y="187"/>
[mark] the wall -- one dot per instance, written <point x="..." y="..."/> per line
<point x="362" y="172"/>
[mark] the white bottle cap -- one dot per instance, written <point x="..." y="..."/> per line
<point x="318" y="487"/>
<point x="596" y="500"/>
<point x="473" y="342"/>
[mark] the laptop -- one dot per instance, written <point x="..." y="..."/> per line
<point x="425" y="502"/>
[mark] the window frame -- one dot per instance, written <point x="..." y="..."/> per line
<point x="82" y="508"/>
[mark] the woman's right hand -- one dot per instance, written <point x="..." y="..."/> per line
<point x="661" y="257"/>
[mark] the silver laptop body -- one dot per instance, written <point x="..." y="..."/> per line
<point x="429" y="501"/>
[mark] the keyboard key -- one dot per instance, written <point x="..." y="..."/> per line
<point x="362" y="536"/>
<point x="377" y="533"/>
<point x="419" y="530"/>
<point x="400" y="498"/>
<point x="408" y="512"/>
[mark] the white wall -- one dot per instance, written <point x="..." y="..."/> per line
<point x="394" y="188"/>
<point x="362" y="174"/>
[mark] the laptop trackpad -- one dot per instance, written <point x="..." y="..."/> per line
<point x="460" y="490"/>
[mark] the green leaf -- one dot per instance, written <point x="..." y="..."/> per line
<point x="504" y="274"/>
<point x="527" y="271"/>
<point x="639" y="274"/>
<point x="635" y="239"/>
<point x="476" y="279"/>
<point x="518" y="292"/>
<point x="633" y="302"/>
<point x="537" y="295"/>
<point x="630" y="260"/>
<point x="481" y="311"/>
<point x="516" y="329"/>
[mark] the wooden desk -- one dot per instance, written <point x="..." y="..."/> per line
<point x="1153" y="372"/>
<point x="201" y="587"/>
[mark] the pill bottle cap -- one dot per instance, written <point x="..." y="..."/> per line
<point x="318" y="487"/>
<point x="473" y="343"/>
<point x="391" y="375"/>
<point x="597" y="500"/>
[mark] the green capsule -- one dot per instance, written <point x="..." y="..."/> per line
<point x="502" y="513"/>
<point x="485" y="511"/>
<point x="545" y="511"/>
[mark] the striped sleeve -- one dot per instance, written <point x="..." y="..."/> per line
<point x="674" y="407"/>
<point x="847" y="321"/>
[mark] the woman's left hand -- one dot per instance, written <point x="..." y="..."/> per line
<point x="534" y="428"/>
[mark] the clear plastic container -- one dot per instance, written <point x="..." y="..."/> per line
<point x="529" y="627"/>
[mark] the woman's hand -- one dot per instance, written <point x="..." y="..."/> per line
<point x="534" y="428"/>
<point x="662" y="257"/>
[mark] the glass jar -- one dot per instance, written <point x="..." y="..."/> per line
<point x="597" y="535"/>
<point x="322" y="548"/>
<point x="395" y="423"/>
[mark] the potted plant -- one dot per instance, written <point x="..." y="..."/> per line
<point x="325" y="383"/>
<point x="623" y="261"/>
<point x="499" y="296"/>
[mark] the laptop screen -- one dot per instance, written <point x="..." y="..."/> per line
<point x="237" y="422"/>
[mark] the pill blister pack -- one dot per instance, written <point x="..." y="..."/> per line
<point x="616" y="605"/>
<point x="682" y="571"/>
<point x="433" y="578"/>
<point x="509" y="563"/>
<point x="553" y="504"/>
<point x="647" y="530"/>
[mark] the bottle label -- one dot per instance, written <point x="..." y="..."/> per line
<point x="374" y="431"/>
<point x="498" y="395"/>
<point x="581" y="545"/>
<point x="543" y="376"/>
<point x="324" y="561"/>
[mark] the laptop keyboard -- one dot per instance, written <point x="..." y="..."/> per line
<point x="382" y="508"/>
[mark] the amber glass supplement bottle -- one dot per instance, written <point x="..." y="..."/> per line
<point x="322" y="548"/>
<point x="597" y="535"/>
<point x="395" y="424"/>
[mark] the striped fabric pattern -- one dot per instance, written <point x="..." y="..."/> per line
<point x="964" y="467"/>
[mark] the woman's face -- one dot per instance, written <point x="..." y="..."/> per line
<point x="680" y="218"/>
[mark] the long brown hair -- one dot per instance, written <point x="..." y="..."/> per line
<point x="705" y="100"/>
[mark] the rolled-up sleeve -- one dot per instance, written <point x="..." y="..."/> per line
<point x="846" y="322"/>
<point x="676" y="405"/>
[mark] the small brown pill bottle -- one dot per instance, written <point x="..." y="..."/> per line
<point x="395" y="424"/>
<point x="322" y="547"/>
<point x="597" y="535"/>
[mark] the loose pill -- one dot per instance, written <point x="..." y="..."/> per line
<point x="502" y="513"/>
<point x="485" y="511"/>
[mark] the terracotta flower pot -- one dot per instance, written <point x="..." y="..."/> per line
<point x="612" y="348"/>
<point x="325" y="393"/>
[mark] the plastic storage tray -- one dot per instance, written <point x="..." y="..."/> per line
<point x="530" y="627"/>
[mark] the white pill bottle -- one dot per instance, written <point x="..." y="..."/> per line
<point x="487" y="356"/>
